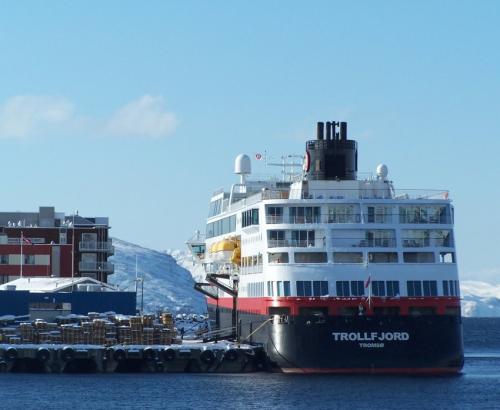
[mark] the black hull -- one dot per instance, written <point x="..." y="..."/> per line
<point x="379" y="344"/>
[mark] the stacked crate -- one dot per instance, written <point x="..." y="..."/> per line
<point x="136" y="328"/>
<point x="98" y="331"/>
<point x="124" y="334"/>
<point x="27" y="332"/>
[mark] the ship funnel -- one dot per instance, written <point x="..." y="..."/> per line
<point x="320" y="130"/>
<point x="333" y="159"/>
<point x="328" y="130"/>
<point x="343" y="131"/>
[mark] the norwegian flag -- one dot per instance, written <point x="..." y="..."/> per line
<point x="26" y="241"/>
<point x="368" y="281"/>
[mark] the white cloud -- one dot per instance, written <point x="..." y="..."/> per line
<point x="26" y="116"/>
<point x="145" y="117"/>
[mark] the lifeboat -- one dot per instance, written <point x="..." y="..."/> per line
<point x="227" y="250"/>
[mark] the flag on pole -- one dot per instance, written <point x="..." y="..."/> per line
<point x="27" y="241"/>
<point x="258" y="156"/>
<point x="367" y="285"/>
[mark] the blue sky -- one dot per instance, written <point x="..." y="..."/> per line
<point x="136" y="110"/>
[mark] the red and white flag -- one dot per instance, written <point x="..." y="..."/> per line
<point x="26" y="241"/>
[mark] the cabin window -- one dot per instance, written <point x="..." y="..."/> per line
<point x="421" y="310"/>
<point x="304" y="288"/>
<point x="278" y="310"/>
<point x="383" y="257"/>
<point x="276" y="239"/>
<point x="357" y="288"/>
<point x="303" y="238"/>
<point x="378" y="288"/>
<point x="342" y="288"/>
<point x="414" y="288"/>
<point x="447" y="257"/>
<point x="392" y="288"/>
<point x="343" y="214"/>
<point x="4" y="259"/>
<point x="320" y="288"/>
<point x="250" y="217"/>
<point x="274" y="215"/>
<point x="313" y="311"/>
<point x="451" y="288"/>
<point x="386" y="311"/>
<point x="278" y="257"/>
<point x="286" y="288"/>
<point x="310" y="257"/>
<point x="347" y="257"/>
<point x="418" y="257"/>
<point x="379" y="214"/>
<point x="430" y="287"/>
<point x="304" y="214"/>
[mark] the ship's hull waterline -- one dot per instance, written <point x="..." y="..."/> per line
<point x="355" y="344"/>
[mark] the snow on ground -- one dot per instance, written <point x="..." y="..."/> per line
<point x="167" y="286"/>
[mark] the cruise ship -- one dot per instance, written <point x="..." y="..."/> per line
<point x="332" y="273"/>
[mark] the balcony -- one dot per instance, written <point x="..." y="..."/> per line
<point x="107" y="267"/>
<point x="291" y="243"/>
<point x="94" y="246"/>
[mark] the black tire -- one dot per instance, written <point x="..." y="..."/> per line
<point x="149" y="353"/>
<point x="119" y="355"/>
<point x="67" y="354"/>
<point x="207" y="356"/>
<point x="43" y="354"/>
<point x="11" y="353"/>
<point x="169" y="354"/>
<point x="231" y="355"/>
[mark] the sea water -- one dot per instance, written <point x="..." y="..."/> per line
<point x="478" y="387"/>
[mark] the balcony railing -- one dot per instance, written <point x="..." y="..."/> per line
<point x="94" y="246"/>
<point x="364" y="243"/>
<point x="96" y="267"/>
<point x="291" y="243"/>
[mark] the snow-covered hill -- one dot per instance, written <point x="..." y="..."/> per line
<point x="169" y="282"/>
<point x="167" y="286"/>
<point x="480" y="299"/>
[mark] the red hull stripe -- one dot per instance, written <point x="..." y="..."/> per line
<point x="414" y="371"/>
<point x="261" y="305"/>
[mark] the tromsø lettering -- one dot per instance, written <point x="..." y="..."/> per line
<point x="370" y="336"/>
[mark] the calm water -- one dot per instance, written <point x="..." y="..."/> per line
<point x="477" y="388"/>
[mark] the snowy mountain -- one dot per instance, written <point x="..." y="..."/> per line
<point x="167" y="286"/>
<point x="169" y="282"/>
<point x="480" y="299"/>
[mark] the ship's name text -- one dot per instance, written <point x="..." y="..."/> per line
<point x="370" y="336"/>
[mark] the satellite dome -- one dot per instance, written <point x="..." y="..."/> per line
<point x="382" y="171"/>
<point x="242" y="165"/>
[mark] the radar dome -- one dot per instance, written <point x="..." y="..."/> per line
<point x="382" y="171"/>
<point x="242" y="165"/>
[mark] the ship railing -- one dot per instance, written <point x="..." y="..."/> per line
<point x="364" y="243"/>
<point x="291" y="243"/>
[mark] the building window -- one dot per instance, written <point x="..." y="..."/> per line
<point x="414" y="288"/>
<point x="304" y="288"/>
<point x="378" y="288"/>
<point x="310" y="257"/>
<point x="342" y="288"/>
<point x="430" y="288"/>
<point x="4" y="259"/>
<point x="347" y="257"/>
<point x="29" y="259"/>
<point x="343" y="214"/>
<point x="418" y="257"/>
<point x="320" y="288"/>
<point x="379" y="214"/>
<point x="392" y="288"/>
<point x="357" y="288"/>
<point x="383" y="257"/>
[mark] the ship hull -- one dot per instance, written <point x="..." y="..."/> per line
<point x="430" y="344"/>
